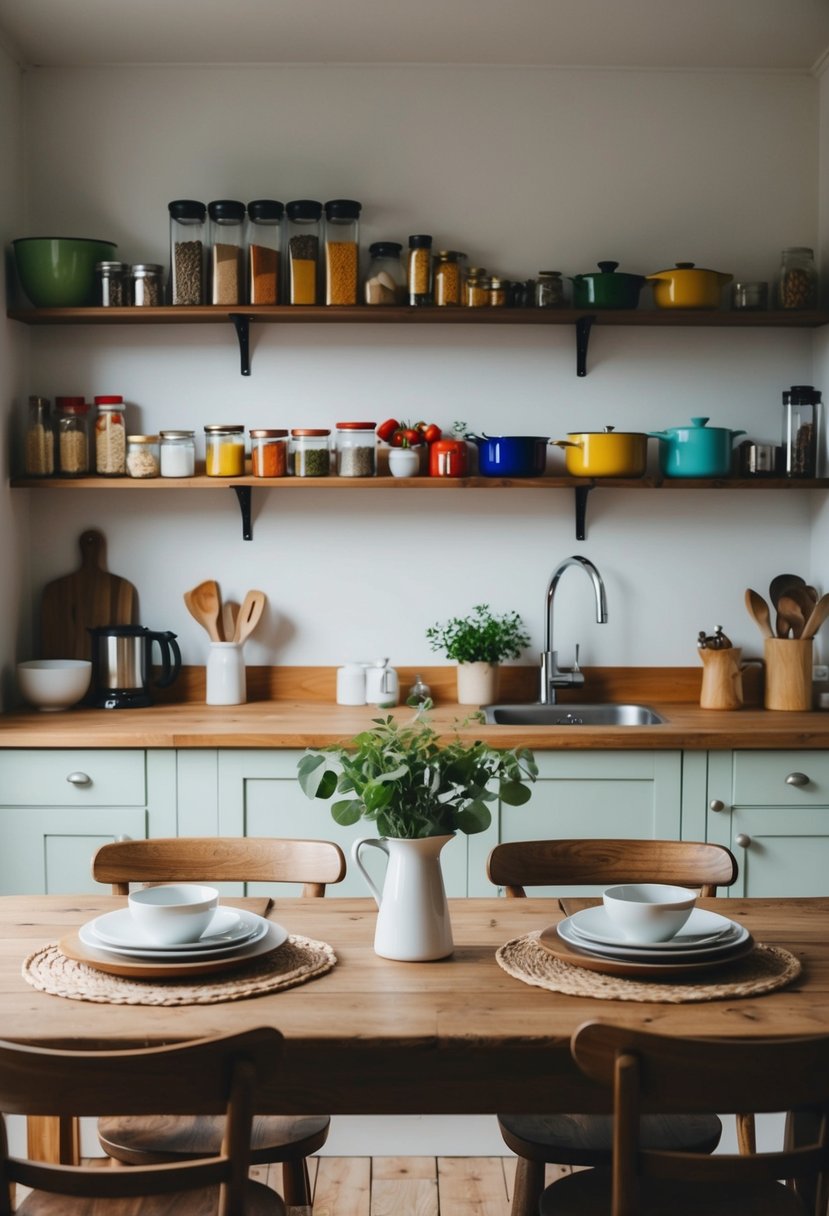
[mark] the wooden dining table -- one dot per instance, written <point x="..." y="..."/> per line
<point x="373" y="1036"/>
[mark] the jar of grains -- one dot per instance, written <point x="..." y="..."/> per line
<point x="142" y="456"/>
<point x="177" y="453"/>
<point x="112" y="284"/>
<point x="342" y="250"/>
<point x="264" y="231"/>
<point x="39" y="454"/>
<point x="110" y="437"/>
<point x="476" y="294"/>
<point x="386" y="278"/>
<point x="224" y="454"/>
<point x="356" y="449"/>
<point x="447" y="274"/>
<point x="310" y="455"/>
<point x="186" y="251"/>
<point x="73" y="438"/>
<point x="147" y="284"/>
<point x="269" y="453"/>
<point x="797" y="284"/>
<point x="420" y="269"/>
<point x="549" y="289"/>
<point x="226" y="240"/>
<point x="497" y="292"/>
<point x="303" y="246"/>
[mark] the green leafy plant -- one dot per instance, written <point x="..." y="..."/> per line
<point x="413" y="783"/>
<point x="480" y="637"/>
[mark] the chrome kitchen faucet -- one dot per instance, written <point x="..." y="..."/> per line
<point x="553" y="676"/>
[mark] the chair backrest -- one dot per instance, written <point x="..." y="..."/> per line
<point x="314" y="863"/>
<point x="565" y="863"/>
<point x="662" y="1074"/>
<point x="222" y="1075"/>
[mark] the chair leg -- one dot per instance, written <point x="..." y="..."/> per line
<point x="296" y="1183"/>
<point x="746" y="1135"/>
<point x="529" y="1183"/>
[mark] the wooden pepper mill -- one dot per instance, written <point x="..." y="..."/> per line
<point x="722" y="674"/>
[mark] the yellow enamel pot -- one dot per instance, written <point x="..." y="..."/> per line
<point x="686" y="286"/>
<point x="606" y="453"/>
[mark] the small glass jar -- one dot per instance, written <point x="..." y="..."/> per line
<point x="302" y="230"/>
<point x="386" y="279"/>
<point x="177" y="453"/>
<point x="476" y="294"/>
<point x="310" y="453"/>
<point x="749" y="297"/>
<point x="356" y="449"/>
<point x="269" y="453"/>
<point x="147" y="284"/>
<point x="448" y="458"/>
<point x="227" y="231"/>
<point x="111" y="284"/>
<point x="420" y="269"/>
<point x="39" y="454"/>
<point x="802" y="431"/>
<point x="797" y="284"/>
<point x="224" y="450"/>
<point x="447" y="278"/>
<point x="342" y="250"/>
<point x="142" y="456"/>
<point x="187" y="238"/>
<point x="73" y="436"/>
<point x="264" y="244"/>
<point x="497" y="292"/>
<point x="549" y="289"/>
<point x="110" y="437"/>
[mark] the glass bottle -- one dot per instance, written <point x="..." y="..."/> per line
<point x="224" y="454"/>
<point x="142" y="456"/>
<point x="386" y="278"/>
<point x="342" y="250"/>
<point x="476" y="294"/>
<point x="187" y="238"/>
<point x="111" y="284"/>
<point x="264" y="247"/>
<point x="110" y="437"/>
<point x="802" y="431"/>
<point x="549" y="289"/>
<point x="356" y="449"/>
<point x="177" y="453"/>
<point x="497" y="292"/>
<point x="73" y="436"/>
<point x="447" y="278"/>
<point x="147" y="284"/>
<point x="227" y="230"/>
<point x="797" y="284"/>
<point x="310" y="454"/>
<point x="420" y="269"/>
<point x="39" y="455"/>
<point x="269" y="453"/>
<point x="303" y="249"/>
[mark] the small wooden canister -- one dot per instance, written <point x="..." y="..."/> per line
<point x="722" y="678"/>
<point x="788" y="673"/>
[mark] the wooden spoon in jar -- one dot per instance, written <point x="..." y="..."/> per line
<point x="205" y="606"/>
<point x="253" y="605"/>
<point x="759" y="609"/>
<point x="790" y="610"/>
<point x="818" y="616"/>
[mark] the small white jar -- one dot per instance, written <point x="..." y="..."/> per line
<point x="404" y="462"/>
<point x="177" y="453"/>
<point x="351" y="684"/>
<point x="382" y="684"/>
<point x="226" y="683"/>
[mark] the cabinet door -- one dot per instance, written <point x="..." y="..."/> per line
<point x="48" y="851"/>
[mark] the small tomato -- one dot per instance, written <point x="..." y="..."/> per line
<point x="413" y="437"/>
<point x="386" y="429"/>
<point x="432" y="433"/>
<point x="396" y="440"/>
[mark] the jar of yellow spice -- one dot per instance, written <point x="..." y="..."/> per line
<point x="342" y="248"/>
<point x="302" y="227"/>
<point x="224" y="454"/>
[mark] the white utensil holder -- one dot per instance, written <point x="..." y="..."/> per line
<point x="226" y="684"/>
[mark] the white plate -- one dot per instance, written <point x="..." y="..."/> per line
<point x="228" y="927"/>
<point x="88" y="937"/>
<point x="701" y="929"/>
<point x="729" y="942"/>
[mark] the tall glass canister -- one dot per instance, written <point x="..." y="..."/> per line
<point x="227" y="233"/>
<point x="420" y="269"/>
<point x="342" y="250"/>
<point x="802" y="431"/>
<point x="187" y="251"/>
<point x="302" y="232"/>
<point x="264" y="247"/>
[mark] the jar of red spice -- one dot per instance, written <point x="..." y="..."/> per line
<point x="448" y="458"/>
<point x="269" y="453"/>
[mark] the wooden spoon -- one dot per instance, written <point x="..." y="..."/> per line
<point x="205" y="606"/>
<point x="818" y="616"/>
<point x="790" y="610"/>
<point x="759" y="609"/>
<point x="230" y="613"/>
<point x="253" y="605"/>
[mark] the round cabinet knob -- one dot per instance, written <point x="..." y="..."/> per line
<point x="79" y="779"/>
<point x="742" y="839"/>
<point x="798" y="779"/>
<point x="716" y="805"/>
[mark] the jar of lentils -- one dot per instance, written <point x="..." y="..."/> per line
<point x="147" y="284"/>
<point x="110" y="437"/>
<point x="356" y="449"/>
<point x="187" y="238"/>
<point x="142" y="456"/>
<point x="310" y="454"/>
<point x="112" y="284"/>
<point x="224" y="454"/>
<point x="797" y="284"/>
<point x="177" y="453"/>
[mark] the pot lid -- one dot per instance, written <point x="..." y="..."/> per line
<point x="687" y="266"/>
<point x="611" y="430"/>
<point x="606" y="269"/>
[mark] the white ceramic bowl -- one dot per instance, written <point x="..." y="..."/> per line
<point x="52" y="684"/>
<point x="649" y="911"/>
<point x="174" y="913"/>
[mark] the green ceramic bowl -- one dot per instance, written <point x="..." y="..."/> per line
<point x="59" y="271"/>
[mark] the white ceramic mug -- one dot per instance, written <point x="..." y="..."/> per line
<point x="226" y="683"/>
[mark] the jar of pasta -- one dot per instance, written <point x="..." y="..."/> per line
<point x="447" y="278"/>
<point x="39" y="455"/>
<point x="142" y="456"/>
<point x="310" y="453"/>
<point x="269" y="453"/>
<point x="420" y="269"/>
<point x="342" y="250"/>
<point x="73" y="439"/>
<point x="302" y="230"/>
<point x="110" y="437"/>
<point x="224" y="454"/>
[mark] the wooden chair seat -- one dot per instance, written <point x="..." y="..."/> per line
<point x="259" y="1201"/>
<point x="274" y="1138"/>
<point x="588" y="1139"/>
<point x="588" y="1194"/>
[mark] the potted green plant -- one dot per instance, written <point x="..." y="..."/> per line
<point x="479" y="643"/>
<point x="419" y="788"/>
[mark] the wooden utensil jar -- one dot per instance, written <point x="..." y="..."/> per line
<point x="722" y="678"/>
<point x="788" y="673"/>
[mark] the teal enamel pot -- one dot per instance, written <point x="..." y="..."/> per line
<point x="696" y="450"/>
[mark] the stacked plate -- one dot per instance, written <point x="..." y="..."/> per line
<point x="232" y="934"/>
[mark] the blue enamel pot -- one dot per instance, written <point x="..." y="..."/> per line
<point x="696" y="450"/>
<point x="511" y="455"/>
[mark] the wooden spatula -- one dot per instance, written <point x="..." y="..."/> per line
<point x="253" y="605"/>
<point x="818" y="616"/>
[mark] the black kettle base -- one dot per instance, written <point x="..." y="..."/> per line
<point x="122" y="698"/>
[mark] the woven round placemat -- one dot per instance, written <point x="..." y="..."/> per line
<point x="296" y="961"/>
<point x="764" y="970"/>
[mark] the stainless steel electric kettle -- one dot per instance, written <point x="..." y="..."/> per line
<point x="122" y="668"/>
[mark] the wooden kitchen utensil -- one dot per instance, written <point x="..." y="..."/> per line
<point x="759" y="609"/>
<point x="790" y="610"/>
<point x="816" y="618"/>
<point x="204" y="605"/>
<point x="250" y="613"/>
<point x="230" y="613"/>
<point x="77" y="602"/>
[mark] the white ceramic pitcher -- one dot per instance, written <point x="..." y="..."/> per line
<point x="413" y="918"/>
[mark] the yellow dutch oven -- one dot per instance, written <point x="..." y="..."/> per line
<point x="687" y="287"/>
<point x="606" y="453"/>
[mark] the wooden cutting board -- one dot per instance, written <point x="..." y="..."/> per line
<point x="89" y="597"/>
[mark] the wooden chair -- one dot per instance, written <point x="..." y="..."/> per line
<point x="288" y="1140"/>
<point x="660" y="1073"/>
<point x="586" y="1140"/>
<point x="218" y="1075"/>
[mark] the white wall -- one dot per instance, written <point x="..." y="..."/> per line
<point x="523" y="168"/>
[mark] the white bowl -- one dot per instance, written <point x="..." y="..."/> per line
<point x="649" y="911"/>
<point x="174" y="913"/>
<point x="52" y="684"/>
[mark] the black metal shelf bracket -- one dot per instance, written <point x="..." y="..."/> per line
<point x="245" y="494"/>
<point x="583" y="326"/>
<point x="581" y="493"/>
<point x="241" y="324"/>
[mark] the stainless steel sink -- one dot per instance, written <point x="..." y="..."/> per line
<point x="571" y="715"/>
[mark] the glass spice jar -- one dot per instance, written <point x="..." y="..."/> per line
<point x="269" y="452"/>
<point x="420" y="269"/>
<point x="447" y="278"/>
<point x="111" y="284"/>
<point x="147" y="284"/>
<point x="386" y="279"/>
<point x="497" y="292"/>
<point x="264" y="240"/>
<point x="797" y="284"/>
<point x="549" y="289"/>
<point x="142" y="456"/>
<point x="302" y="229"/>
<point x="73" y="437"/>
<point x="476" y="294"/>
<point x="356" y="449"/>
<point x="39" y="452"/>
<point x="110" y="437"/>
<point x="177" y="453"/>
<point x="187" y="251"/>
<point x="224" y="454"/>
<point x="227" y="227"/>
<point x="310" y="454"/>
<point x="802" y="431"/>
<point x="342" y="250"/>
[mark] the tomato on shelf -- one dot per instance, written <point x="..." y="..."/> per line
<point x="386" y="429"/>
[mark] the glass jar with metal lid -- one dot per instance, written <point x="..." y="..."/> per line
<point x="302" y="230"/>
<point x="447" y="278"/>
<point x="497" y="292"/>
<point x="420" y="269"/>
<point x="73" y="436"/>
<point x="147" y="284"/>
<point x="110" y="437"/>
<point x="310" y="453"/>
<point x="549" y="289"/>
<point x="476" y="294"/>
<point x="356" y="449"/>
<point x="112" y="284"/>
<point x="797" y="284"/>
<point x="342" y="250"/>
<point x="224" y="454"/>
<point x="386" y="278"/>
<point x="269" y="452"/>
<point x="177" y="453"/>
<point x="187" y="251"/>
<point x="39" y="452"/>
<point x="264" y="243"/>
<point x="142" y="456"/>
<point x="226" y="239"/>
